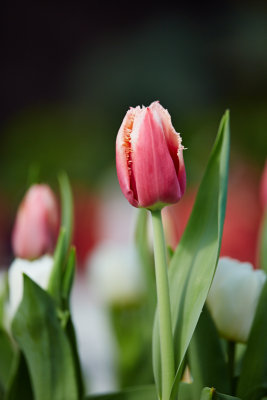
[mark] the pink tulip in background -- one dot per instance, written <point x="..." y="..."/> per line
<point x="149" y="158"/>
<point x="86" y="234"/>
<point x="36" y="226"/>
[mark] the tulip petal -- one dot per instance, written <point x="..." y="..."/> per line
<point x="174" y="142"/>
<point x="123" y="158"/>
<point x="152" y="165"/>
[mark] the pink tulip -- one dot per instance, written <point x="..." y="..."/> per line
<point x="263" y="187"/>
<point x="36" y="225"/>
<point x="149" y="158"/>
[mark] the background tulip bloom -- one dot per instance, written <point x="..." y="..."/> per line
<point x="233" y="298"/>
<point x="149" y="158"/>
<point x="36" y="224"/>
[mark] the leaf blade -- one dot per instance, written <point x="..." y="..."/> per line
<point x="44" y="343"/>
<point x="194" y="262"/>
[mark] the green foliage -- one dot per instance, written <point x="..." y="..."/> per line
<point x="47" y="365"/>
<point x="206" y="357"/>
<point x="253" y="379"/>
<point x="7" y="358"/>
<point x="45" y="345"/>
<point x="193" y="265"/>
<point x="19" y="384"/>
<point x="66" y="209"/>
<point x="140" y="393"/>
<point x="143" y="393"/>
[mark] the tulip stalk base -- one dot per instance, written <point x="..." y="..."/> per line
<point x="164" y="309"/>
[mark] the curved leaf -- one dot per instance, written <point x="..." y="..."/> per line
<point x="66" y="209"/>
<point x="253" y="379"/>
<point x="140" y="393"/>
<point x="206" y="357"/>
<point x="194" y="262"/>
<point x="45" y="346"/>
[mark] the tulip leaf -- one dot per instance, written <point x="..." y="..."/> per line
<point x="45" y="345"/>
<point x="66" y="209"/>
<point x="3" y="298"/>
<point x="69" y="328"/>
<point x="7" y="357"/>
<point x="212" y="394"/>
<point x="142" y="393"/>
<point x="69" y="276"/>
<point x="55" y="281"/>
<point x="137" y="393"/>
<point x="19" y="384"/>
<point x="206" y="357"/>
<point x="193" y="264"/>
<point x="253" y="378"/>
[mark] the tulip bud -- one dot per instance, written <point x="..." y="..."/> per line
<point x="149" y="158"/>
<point x="263" y="187"/>
<point x="233" y="298"/>
<point x="36" y="224"/>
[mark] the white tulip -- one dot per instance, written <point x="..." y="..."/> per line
<point x="38" y="270"/>
<point x="115" y="273"/>
<point x="234" y="296"/>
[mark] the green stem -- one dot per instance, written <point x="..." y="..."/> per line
<point x="164" y="309"/>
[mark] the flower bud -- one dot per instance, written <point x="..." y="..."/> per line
<point x="233" y="298"/>
<point x="36" y="225"/>
<point x="149" y="158"/>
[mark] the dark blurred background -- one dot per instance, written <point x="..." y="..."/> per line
<point x="70" y="70"/>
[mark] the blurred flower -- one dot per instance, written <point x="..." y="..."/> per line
<point x="234" y="296"/>
<point x="242" y="219"/>
<point x="96" y="344"/>
<point x="36" y="225"/>
<point x="86" y="224"/>
<point x="149" y="158"/>
<point x="263" y="187"/>
<point x="38" y="270"/>
<point x="115" y="273"/>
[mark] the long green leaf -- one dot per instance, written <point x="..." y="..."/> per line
<point x="206" y="357"/>
<point x="56" y="277"/>
<point x="7" y="355"/>
<point x="70" y="331"/>
<point x="140" y="393"/>
<point x="193" y="265"/>
<point x="44" y="343"/>
<point x="143" y="393"/>
<point x="19" y="384"/>
<point x="66" y="209"/>
<point x="68" y="277"/>
<point x="253" y="379"/>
